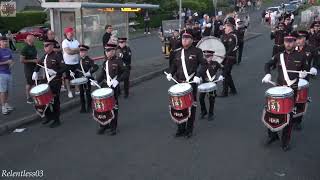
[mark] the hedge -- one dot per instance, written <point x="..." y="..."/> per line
<point x="155" y="20"/>
<point x="22" y="19"/>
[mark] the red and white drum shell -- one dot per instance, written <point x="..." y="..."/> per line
<point x="103" y="100"/>
<point x="280" y="100"/>
<point x="303" y="90"/>
<point x="41" y="94"/>
<point x="180" y="96"/>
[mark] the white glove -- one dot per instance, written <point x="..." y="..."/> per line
<point x="109" y="83"/>
<point x="303" y="74"/>
<point x="115" y="83"/>
<point x="313" y="71"/>
<point x="72" y="74"/>
<point x="169" y="77"/>
<point x="266" y="78"/>
<point x="51" y="72"/>
<point x="87" y="74"/>
<point x="221" y="78"/>
<point x="34" y="76"/>
<point x="120" y="55"/>
<point x="196" y="80"/>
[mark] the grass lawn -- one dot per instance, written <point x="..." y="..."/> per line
<point x="37" y="43"/>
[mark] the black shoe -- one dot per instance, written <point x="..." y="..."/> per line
<point x="203" y="114"/>
<point x="270" y="140"/>
<point x="210" y="117"/>
<point x="113" y="132"/>
<point x="46" y="121"/>
<point x="297" y="127"/>
<point x="55" y="124"/>
<point x="188" y="135"/>
<point x="234" y="92"/>
<point x="285" y="147"/>
<point x="83" y="110"/>
<point x="179" y="134"/>
<point x="101" y="130"/>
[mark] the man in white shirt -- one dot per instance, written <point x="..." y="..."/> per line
<point x="71" y="58"/>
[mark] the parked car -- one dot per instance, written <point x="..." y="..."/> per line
<point x="38" y="31"/>
<point x="291" y="8"/>
<point x="296" y="3"/>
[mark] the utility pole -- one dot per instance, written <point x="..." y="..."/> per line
<point x="180" y="12"/>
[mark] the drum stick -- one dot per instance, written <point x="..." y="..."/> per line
<point x="273" y="83"/>
<point x="72" y="75"/>
<point x="291" y="71"/>
<point x="172" y="78"/>
<point x="95" y="83"/>
<point x="40" y="65"/>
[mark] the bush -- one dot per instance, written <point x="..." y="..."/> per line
<point x="155" y="20"/>
<point x="22" y="19"/>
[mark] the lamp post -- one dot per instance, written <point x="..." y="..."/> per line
<point x="180" y="12"/>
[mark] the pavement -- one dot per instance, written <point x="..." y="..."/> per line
<point x="230" y="147"/>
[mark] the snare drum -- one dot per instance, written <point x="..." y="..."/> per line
<point x="207" y="87"/>
<point x="280" y="100"/>
<point x="302" y="94"/>
<point x="79" y="81"/>
<point x="41" y="94"/>
<point x="103" y="99"/>
<point x="181" y="96"/>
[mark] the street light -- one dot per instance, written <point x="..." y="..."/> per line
<point x="180" y="12"/>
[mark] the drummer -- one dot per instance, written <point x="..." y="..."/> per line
<point x="117" y="72"/>
<point x="87" y="68"/>
<point x="55" y="68"/>
<point x="209" y="76"/>
<point x="188" y="69"/>
<point x="293" y="61"/>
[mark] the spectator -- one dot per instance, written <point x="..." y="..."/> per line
<point x="206" y="25"/>
<point x="71" y="58"/>
<point x="247" y="21"/>
<point x="218" y="27"/>
<point x="29" y="57"/>
<point x="11" y="41"/>
<point x="107" y="35"/>
<point x="6" y="63"/>
<point x="147" y="23"/>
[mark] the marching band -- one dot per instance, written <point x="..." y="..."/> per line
<point x="196" y="64"/>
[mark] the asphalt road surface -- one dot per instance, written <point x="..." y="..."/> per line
<point x="230" y="147"/>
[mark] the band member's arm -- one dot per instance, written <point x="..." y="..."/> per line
<point x="271" y="64"/>
<point x="203" y="65"/>
<point x="173" y="68"/>
<point x="127" y="57"/>
<point x="231" y="46"/>
<point x="93" y="67"/>
<point x="123" y="71"/>
<point x="40" y="62"/>
<point x="102" y="74"/>
<point x="272" y="35"/>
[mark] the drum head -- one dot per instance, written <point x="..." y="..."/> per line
<point x="81" y="80"/>
<point x="39" y="89"/>
<point x="280" y="91"/>
<point x="213" y="44"/>
<point x="180" y="89"/>
<point x="207" y="87"/>
<point x="102" y="93"/>
<point x="303" y="83"/>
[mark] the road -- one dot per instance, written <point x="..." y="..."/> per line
<point x="230" y="147"/>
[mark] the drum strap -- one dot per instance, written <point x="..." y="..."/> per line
<point x="81" y="66"/>
<point x="184" y="67"/>
<point x="46" y="69"/>
<point x="285" y="72"/>
<point x="109" y="79"/>
<point x="209" y="76"/>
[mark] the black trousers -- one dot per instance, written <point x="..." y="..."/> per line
<point x="146" y="26"/>
<point x="228" y="81"/>
<point x="212" y="99"/>
<point x="11" y="45"/>
<point x="53" y="111"/>
<point x="126" y="84"/>
<point x="85" y="96"/>
<point x="188" y="125"/>
<point x="240" y="50"/>
<point x="114" y="122"/>
<point x="286" y="132"/>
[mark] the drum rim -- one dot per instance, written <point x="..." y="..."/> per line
<point x="102" y="97"/>
<point x="180" y="93"/>
<point x="209" y="89"/>
<point x="85" y="81"/>
<point x="278" y="96"/>
<point x="42" y="92"/>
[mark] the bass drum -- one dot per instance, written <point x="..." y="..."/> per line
<point x="213" y="44"/>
